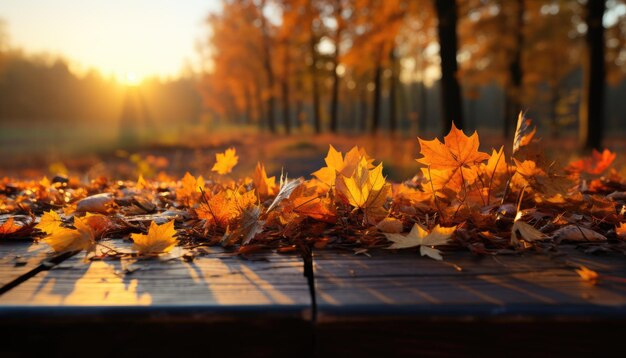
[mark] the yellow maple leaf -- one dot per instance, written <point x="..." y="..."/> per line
<point x="225" y="162"/>
<point x="265" y="186"/>
<point x="50" y="222"/>
<point x="336" y="163"/>
<point x="160" y="238"/>
<point x="419" y="236"/>
<point x="65" y="239"/>
<point x="365" y="189"/>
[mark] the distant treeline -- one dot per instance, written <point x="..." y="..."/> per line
<point x="42" y="89"/>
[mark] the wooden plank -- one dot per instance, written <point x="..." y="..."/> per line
<point x="20" y="257"/>
<point x="464" y="284"/>
<point x="220" y="302"/>
<point x="401" y="304"/>
<point x="218" y="279"/>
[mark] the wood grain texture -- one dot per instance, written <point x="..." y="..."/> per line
<point x="218" y="279"/>
<point x="464" y="285"/>
<point x="19" y="257"/>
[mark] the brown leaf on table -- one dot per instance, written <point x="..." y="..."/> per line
<point x="577" y="233"/>
<point x="100" y="203"/>
<point x="12" y="228"/>
<point x="390" y="226"/>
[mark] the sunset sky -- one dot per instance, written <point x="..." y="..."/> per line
<point x="135" y="38"/>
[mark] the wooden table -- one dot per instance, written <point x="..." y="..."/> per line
<point x="392" y="303"/>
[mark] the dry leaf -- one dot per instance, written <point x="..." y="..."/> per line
<point x="50" y="222"/>
<point x="159" y="239"/>
<point x="418" y="236"/>
<point x="64" y="239"/>
<point x="588" y="275"/>
<point x="225" y="162"/>
<point x="264" y="186"/>
<point x="577" y="234"/>
<point x="390" y="226"/>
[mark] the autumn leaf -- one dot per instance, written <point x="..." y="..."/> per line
<point x="286" y="187"/>
<point x="365" y="189"/>
<point x="621" y="231"/>
<point x="250" y="224"/>
<point x="65" y="239"/>
<point x="265" y="186"/>
<point x="50" y="222"/>
<point x="588" y="275"/>
<point x="458" y="150"/>
<point x="336" y="163"/>
<point x="225" y="207"/>
<point x="390" y="226"/>
<point x="189" y="190"/>
<point x="524" y="133"/>
<point x="450" y="165"/>
<point x="595" y="164"/>
<point x="306" y="200"/>
<point x="159" y="239"/>
<point x="419" y="236"/>
<point x="225" y="162"/>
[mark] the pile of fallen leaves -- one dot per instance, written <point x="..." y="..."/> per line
<point x="461" y="198"/>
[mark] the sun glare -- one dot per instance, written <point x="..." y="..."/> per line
<point x="131" y="79"/>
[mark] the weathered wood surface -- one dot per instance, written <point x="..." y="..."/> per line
<point x="388" y="304"/>
<point x="400" y="304"/>
<point x="159" y="306"/>
<point x="217" y="279"/>
<point x="18" y="257"/>
<point x="466" y="285"/>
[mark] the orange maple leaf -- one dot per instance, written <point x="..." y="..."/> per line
<point x="265" y="186"/>
<point x="189" y="190"/>
<point x="458" y="150"/>
<point x="225" y="162"/>
<point x="451" y="164"/>
<point x="595" y="164"/>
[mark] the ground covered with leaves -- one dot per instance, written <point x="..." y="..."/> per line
<point x="462" y="198"/>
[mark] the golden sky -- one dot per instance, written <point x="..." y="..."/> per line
<point x="139" y="38"/>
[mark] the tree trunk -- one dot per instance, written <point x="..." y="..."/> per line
<point x="363" y="111"/>
<point x="592" y="104"/>
<point x="317" y="121"/>
<point x="285" y="91"/>
<point x="393" y="117"/>
<point x="299" y="105"/>
<point x="248" y="103"/>
<point x="269" y="71"/>
<point x="377" y="92"/>
<point x="452" y="108"/>
<point x="334" y="106"/>
<point x="513" y="100"/>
